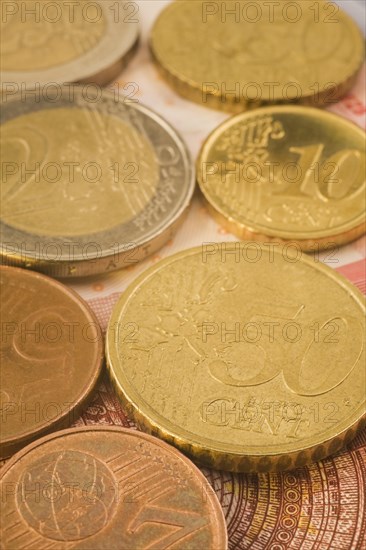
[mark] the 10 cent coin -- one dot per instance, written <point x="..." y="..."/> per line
<point x="286" y="173"/>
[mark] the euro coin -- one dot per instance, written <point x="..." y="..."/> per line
<point x="90" y="184"/>
<point x="235" y="55"/>
<point x="286" y="173"/>
<point x="104" y="487"/>
<point x="246" y="357"/>
<point x="44" y="44"/>
<point x="52" y="353"/>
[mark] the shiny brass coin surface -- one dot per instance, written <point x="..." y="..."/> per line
<point x="247" y="357"/>
<point x="97" y="488"/>
<point x="66" y="42"/>
<point x="88" y="186"/>
<point x="51" y="356"/>
<point x="286" y="173"/>
<point x="235" y="55"/>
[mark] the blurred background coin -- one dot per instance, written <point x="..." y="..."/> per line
<point x="51" y="356"/>
<point x="108" y="488"/>
<point x="288" y="173"/>
<point x="236" y="55"/>
<point x="90" y="183"/>
<point x="225" y="350"/>
<point x="43" y="43"/>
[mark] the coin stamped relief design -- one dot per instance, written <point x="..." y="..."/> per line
<point x="175" y="372"/>
<point x="264" y="175"/>
<point x="51" y="356"/>
<point x="121" y="172"/>
<point x="62" y="42"/>
<point x="219" y="56"/>
<point x="38" y="43"/>
<point x="90" y="203"/>
<point x="52" y="471"/>
<point x="71" y="489"/>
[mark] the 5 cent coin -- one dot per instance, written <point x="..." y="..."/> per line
<point x="51" y="356"/>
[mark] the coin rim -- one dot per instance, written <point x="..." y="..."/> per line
<point x="153" y="239"/>
<point x="191" y="90"/>
<point x="207" y="452"/>
<point x="11" y="445"/>
<point x="78" y="69"/>
<point x="349" y="231"/>
<point x="222" y="532"/>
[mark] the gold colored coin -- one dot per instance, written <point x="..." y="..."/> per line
<point x="235" y="55"/>
<point x="247" y="357"/>
<point x="72" y="127"/>
<point x="88" y="186"/>
<point x="286" y="173"/>
<point x="65" y="42"/>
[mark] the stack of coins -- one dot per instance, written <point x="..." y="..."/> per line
<point x="224" y="351"/>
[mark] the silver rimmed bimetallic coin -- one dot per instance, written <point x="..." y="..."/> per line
<point x="59" y="41"/>
<point x="89" y="185"/>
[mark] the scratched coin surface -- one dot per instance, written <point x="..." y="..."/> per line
<point x="233" y="55"/>
<point x="62" y="41"/>
<point x="51" y="356"/>
<point x="245" y="356"/>
<point x="107" y="488"/>
<point x="88" y="185"/>
<point x="286" y="173"/>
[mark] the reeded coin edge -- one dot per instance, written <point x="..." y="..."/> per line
<point x="191" y="90"/>
<point x="206" y="452"/>
<point x="246" y="233"/>
<point x="241" y="462"/>
<point x="343" y="234"/>
<point x="66" y="269"/>
<point x="111" y="72"/>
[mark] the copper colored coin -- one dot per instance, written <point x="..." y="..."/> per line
<point x="100" y="488"/>
<point x="51" y="356"/>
